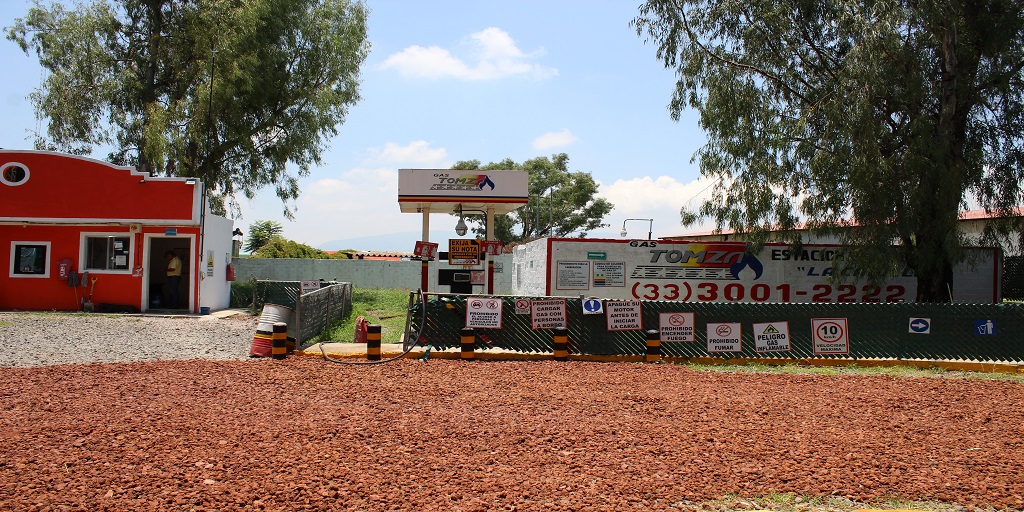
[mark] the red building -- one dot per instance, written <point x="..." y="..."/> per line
<point x="67" y="216"/>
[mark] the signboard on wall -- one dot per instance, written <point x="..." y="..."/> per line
<point x="463" y="251"/>
<point x="725" y="272"/>
<point x="623" y="315"/>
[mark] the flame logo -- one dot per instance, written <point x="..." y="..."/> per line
<point x="747" y="261"/>
<point x="484" y="180"/>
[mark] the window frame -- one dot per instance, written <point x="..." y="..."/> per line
<point x="83" y="257"/>
<point x="8" y="165"/>
<point x="14" y="253"/>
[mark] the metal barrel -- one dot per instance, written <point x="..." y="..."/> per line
<point x="261" y="343"/>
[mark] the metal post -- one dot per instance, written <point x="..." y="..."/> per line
<point x="560" y="344"/>
<point x="468" y="342"/>
<point x="653" y="354"/>
<point x="373" y="342"/>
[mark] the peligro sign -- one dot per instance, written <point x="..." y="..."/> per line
<point x="725" y="272"/>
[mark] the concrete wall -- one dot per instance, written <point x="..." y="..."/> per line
<point x="215" y="290"/>
<point x="403" y="275"/>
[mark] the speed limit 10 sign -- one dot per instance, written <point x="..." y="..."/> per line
<point x="831" y="335"/>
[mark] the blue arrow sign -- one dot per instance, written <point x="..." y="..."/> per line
<point x="921" y="325"/>
<point x="592" y="307"/>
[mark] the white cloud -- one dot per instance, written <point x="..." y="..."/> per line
<point x="493" y="55"/>
<point x="554" y="140"/>
<point x="655" y="198"/>
<point x="417" y="153"/>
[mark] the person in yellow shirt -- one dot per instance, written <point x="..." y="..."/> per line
<point x="173" y="278"/>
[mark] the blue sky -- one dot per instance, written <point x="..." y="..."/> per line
<point x="486" y="80"/>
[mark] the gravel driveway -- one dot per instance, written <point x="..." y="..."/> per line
<point x="40" y="339"/>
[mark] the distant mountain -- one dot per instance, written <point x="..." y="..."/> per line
<point x="406" y="242"/>
<point x="402" y="242"/>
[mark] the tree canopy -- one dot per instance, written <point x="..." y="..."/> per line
<point x="876" y="122"/>
<point x="561" y="204"/>
<point x="261" y="233"/>
<point x="233" y="92"/>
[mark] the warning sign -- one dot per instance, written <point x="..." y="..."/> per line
<point x="831" y="336"/>
<point x="623" y="315"/>
<point x="483" y="313"/>
<point x="724" y="337"/>
<point x="548" y="313"/>
<point x="771" y="337"/>
<point x="463" y="252"/>
<point x="522" y="306"/>
<point x="676" y="326"/>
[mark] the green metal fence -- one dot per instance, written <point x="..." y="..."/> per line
<point x="1013" y="278"/>
<point x="314" y="311"/>
<point x="317" y="310"/>
<point x="874" y="330"/>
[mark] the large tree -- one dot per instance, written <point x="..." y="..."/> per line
<point x="561" y="204"/>
<point x="876" y="122"/>
<point x="234" y="92"/>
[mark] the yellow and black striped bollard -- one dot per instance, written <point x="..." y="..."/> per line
<point x="653" y="354"/>
<point x="279" y="341"/>
<point x="468" y="341"/>
<point x="373" y="342"/>
<point x="560" y="344"/>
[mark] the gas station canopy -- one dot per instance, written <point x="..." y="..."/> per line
<point x="453" y="191"/>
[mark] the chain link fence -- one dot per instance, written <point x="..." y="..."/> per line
<point x="319" y="309"/>
<point x="315" y="311"/>
<point x="1013" y="278"/>
<point x="874" y="330"/>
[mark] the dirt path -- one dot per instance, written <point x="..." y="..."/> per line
<point x="447" y="435"/>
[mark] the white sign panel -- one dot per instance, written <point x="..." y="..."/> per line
<point x="573" y="275"/>
<point x="609" y="273"/>
<point x="676" y="326"/>
<point x="831" y="336"/>
<point x="425" y="185"/>
<point x="309" y="286"/>
<point x="483" y="313"/>
<point x="522" y="306"/>
<point x="771" y="337"/>
<point x="725" y="272"/>
<point x="623" y="315"/>
<point x="548" y="313"/>
<point x="724" y="337"/>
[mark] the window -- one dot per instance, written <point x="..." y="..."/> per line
<point x="30" y="259"/>
<point x="13" y="174"/>
<point x="107" y="252"/>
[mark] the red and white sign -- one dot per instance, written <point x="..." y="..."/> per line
<point x="483" y="313"/>
<point x="425" y="250"/>
<point x="771" y="337"/>
<point x="676" y="326"/>
<point x="522" y="306"/>
<point x="548" y="313"/>
<point x="724" y="337"/>
<point x="831" y="336"/>
<point x="623" y="315"/>
<point x="492" y="247"/>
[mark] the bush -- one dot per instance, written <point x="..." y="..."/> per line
<point x="243" y="293"/>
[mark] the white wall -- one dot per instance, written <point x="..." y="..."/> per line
<point x="215" y="290"/>
<point x="529" y="273"/>
<point x="404" y="275"/>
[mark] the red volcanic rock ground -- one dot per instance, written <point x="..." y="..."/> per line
<point x="302" y="434"/>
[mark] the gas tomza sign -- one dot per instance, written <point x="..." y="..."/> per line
<point x="725" y="272"/>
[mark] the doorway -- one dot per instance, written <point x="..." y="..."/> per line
<point x="159" y="293"/>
